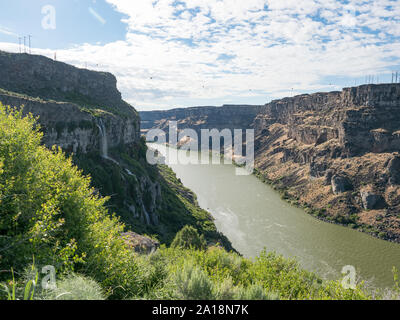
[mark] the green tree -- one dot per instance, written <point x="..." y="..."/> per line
<point x="189" y="238"/>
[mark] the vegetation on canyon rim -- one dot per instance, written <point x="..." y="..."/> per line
<point x="50" y="215"/>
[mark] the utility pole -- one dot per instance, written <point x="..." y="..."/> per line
<point x="30" y="51"/>
<point x="20" y="40"/>
<point x="24" y="44"/>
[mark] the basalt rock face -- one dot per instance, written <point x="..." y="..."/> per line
<point x="68" y="126"/>
<point x="324" y="149"/>
<point x="38" y="76"/>
<point x="361" y="119"/>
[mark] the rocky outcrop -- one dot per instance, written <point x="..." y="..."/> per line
<point x="360" y="119"/>
<point x="393" y="169"/>
<point x="139" y="243"/>
<point x="370" y="199"/>
<point x="150" y="202"/>
<point x="340" y="184"/>
<point x="82" y="112"/>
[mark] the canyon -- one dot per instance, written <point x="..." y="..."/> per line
<point x="335" y="154"/>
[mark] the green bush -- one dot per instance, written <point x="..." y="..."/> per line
<point x="189" y="238"/>
<point x="192" y="283"/>
<point x="254" y="292"/>
<point x="269" y="276"/>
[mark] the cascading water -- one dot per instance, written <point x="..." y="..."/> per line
<point x="103" y="143"/>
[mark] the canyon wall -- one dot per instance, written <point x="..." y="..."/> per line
<point x="65" y="124"/>
<point x="38" y="76"/>
<point x="362" y="119"/>
<point x="197" y="118"/>
<point x="336" y="154"/>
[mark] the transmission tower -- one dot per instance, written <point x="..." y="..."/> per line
<point x="30" y="51"/>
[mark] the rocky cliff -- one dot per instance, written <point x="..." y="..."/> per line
<point x="74" y="105"/>
<point x="73" y="128"/>
<point x="38" y="76"/>
<point x="336" y="154"/>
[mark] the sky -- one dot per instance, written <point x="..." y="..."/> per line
<point x="181" y="53"/>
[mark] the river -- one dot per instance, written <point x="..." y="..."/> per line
<point x="253" y="216"/>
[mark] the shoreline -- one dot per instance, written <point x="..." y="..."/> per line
<point x="292" y="201"/>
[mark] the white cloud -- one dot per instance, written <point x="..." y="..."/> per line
<point x="293" y="44"/>
<point x="7" y="32"/>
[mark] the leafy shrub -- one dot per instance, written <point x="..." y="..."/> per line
<point x="189" y="238"/>
<point x="254" y="292"/>
<point x="192" y="283"/>
<point x="225" y="290"/>
<point x="268" y="276"/>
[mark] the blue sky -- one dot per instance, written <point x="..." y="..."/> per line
<point x="169" y="53"/>
<point x="74" y="23"/>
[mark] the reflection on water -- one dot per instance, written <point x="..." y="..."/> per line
<point x="253" y="217"/>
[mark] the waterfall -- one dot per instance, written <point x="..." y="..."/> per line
<point x="103" y="142"/>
